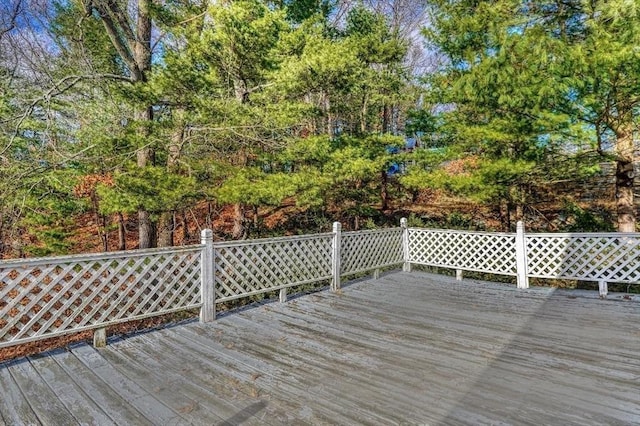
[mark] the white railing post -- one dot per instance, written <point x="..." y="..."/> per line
<point x="603" y="289"/>
<point x="207" y="277"/>
<point x="521" y="257"/>
<point x="335" y="257"/>
<point x="406" y="266"/>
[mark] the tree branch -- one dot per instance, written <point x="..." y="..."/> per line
<point x="57" y="89"/>
<point x="12" y="20"/>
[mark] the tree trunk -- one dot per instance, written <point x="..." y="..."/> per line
<point x="363" y="115"/>
<point x="519" y="211"/>
<point x="386" y="119"/>
<point x="625" y="176"/>
<point x="145" y="157"/>
<point x="122" y="233"/>
<point x="130" y="35"/>
<point x="144" y="116"/>
<point x="384" y="193"/>
<point x="166" y="228"/>
<point x="104" y="236"/>
<point x="167" y="221"/>
<point x="238" y="222"/>
<point x="186" y="236"/>
<point x="327" y="111"/>
<point x="146" y="230"/>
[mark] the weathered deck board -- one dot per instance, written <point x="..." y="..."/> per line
<point x="409" y="348"/>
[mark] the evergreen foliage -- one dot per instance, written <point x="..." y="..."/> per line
<point x="252" y="105"/>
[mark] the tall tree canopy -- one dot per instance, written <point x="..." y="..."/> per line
<point x="529" y="81"/>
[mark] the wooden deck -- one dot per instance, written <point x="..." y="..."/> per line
<point x="409" y="348"/>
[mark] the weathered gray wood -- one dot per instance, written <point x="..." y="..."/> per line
<point x="154" y="410"/>
<point x="48" y="408"/>
<point x="14" y="405"/>
<point x="97" y="391"/>
<point x="403" y="349"/>
<point x="173" y="394"/>
<point x="280" y="385"/>
<point x="221" y="384"/>
<point x="79" y="405"/>
<point x="212" y="394"/>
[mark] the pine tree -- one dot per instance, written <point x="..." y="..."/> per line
<point x="529" y="82"/>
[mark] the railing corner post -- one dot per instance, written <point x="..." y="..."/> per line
<point x="521" y="257"/>
<point x="207" y="278"/>
<point x="406" y="266"/>
<point x="335" y="257"/>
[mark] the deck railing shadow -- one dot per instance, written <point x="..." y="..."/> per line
<point x="48" y="297"/>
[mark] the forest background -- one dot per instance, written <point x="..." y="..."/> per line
<point x="136" y="123"/>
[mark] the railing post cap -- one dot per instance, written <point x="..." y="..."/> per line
<point x="520" y="225"/>
<point x="206" y="235"/>
<point x="337" y="226"/>
<point x="403" y="222"/>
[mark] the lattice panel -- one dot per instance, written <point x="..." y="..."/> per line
<point x="252" y="267"/>
<point x="472" y="251"/>
<point x="47" y="297"/>
<point x="606" y="257"/>
<point x="366" y="250"/>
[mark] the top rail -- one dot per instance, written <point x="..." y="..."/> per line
<point x="259" y="241"/>
<point x="39" y="261"/>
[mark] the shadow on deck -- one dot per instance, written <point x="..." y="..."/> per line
<point x="409" y="348"/>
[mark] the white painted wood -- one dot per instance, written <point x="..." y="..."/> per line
<point x="100" y="337"/>
<point x="459" y="274"/>
<point x="589" y="257"/>
<point x="75" y="293"/>
<point x="362" y="251"/>
<point x="207" y="277"/>
<point x="335" y="257"/>
<point x="270" y="264"/>
<point x="521" y="257"/>
<point x="49" y="297"/>
<point x="470" y="251"/>
<point x="283" y="295"/>
<point x="376" y="274"/>
<point x="603" y="289"/>
<point x="406" y="254"/>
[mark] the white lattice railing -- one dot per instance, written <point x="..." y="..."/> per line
<point x="47" y="297"/>
<point x="362" y="251"/>
<point x="584" y="256"/>
<point x="470" y="251"/>
<point x="246" y="268"/>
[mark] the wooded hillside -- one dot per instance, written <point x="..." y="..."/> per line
<point x="137" y="123"/>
